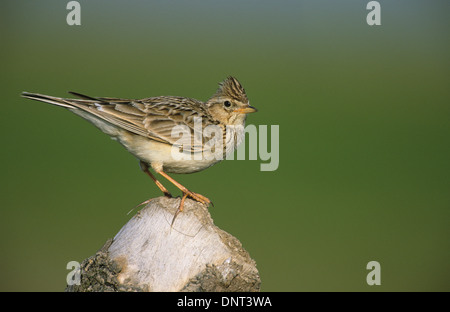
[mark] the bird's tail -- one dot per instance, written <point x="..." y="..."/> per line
<point x="86" y="107"/>
<point x="48" y="99"/>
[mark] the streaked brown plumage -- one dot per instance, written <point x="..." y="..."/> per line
<point x="144" y="127"/>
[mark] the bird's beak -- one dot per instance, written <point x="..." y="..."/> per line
<point x="246" y="110"/>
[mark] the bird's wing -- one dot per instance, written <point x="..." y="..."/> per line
<point x="167" y="119"/>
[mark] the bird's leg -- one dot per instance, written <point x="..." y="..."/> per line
<point x="144" y="167"/>
<point x="198" y="197"/>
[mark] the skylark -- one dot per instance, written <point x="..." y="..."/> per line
<point x="145" y="128"/>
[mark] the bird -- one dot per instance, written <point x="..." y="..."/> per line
<point x="145" y="127"/>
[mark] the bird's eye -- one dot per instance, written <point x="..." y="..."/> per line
<point x="227" y="103"/>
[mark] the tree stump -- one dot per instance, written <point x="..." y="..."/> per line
<point x="148" y="254"/>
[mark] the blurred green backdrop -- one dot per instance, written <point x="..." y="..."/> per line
<point x="364" y="134"/>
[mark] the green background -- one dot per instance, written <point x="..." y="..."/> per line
<point x="364" y="125"/>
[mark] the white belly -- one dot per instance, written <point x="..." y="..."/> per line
<point x="160" y="156"/>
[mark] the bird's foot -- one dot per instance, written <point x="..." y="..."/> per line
<point x="195" y="196"/>
<point x="198" y="197"/>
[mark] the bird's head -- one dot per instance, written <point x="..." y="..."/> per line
<point x="230" y="105"/>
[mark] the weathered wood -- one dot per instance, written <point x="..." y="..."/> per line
<point x="149" y="255"/>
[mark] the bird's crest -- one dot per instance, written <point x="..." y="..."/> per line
<point x="231" y="87"/>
